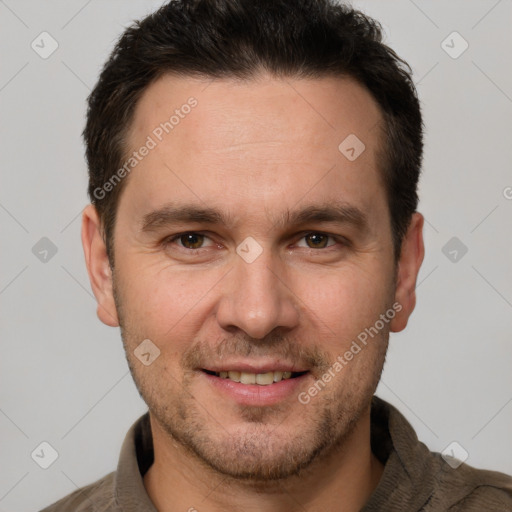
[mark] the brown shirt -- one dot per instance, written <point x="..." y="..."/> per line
<point x="414" y="478"/>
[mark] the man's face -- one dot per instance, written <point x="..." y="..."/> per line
<point x="258" y="153"/>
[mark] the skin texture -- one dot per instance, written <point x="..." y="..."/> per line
<point x="255" y="150"/>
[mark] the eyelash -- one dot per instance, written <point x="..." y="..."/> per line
<point x="339" y="240"/>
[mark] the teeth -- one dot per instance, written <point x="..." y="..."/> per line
<point x="263" y="379"/>
<point x="234" y="376"/>
<point x="248" y="378"/>
<point x="278" y="376"/>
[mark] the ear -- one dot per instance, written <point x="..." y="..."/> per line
<point x="411" y="258"/>
<point x="98" y="267"/>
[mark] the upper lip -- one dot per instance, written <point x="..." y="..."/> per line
<point x="254" y="367"/>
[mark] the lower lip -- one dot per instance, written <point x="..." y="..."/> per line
<point x="255" y="394"/>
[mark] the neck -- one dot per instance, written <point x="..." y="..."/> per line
<point x="340" y="480"/>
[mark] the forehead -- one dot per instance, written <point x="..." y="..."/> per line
<point x="254" y="110"/>
<point x="255" y="144"/>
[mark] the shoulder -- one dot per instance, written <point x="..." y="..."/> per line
<point x="96" y="497"/>
<point x="470" y="489"/>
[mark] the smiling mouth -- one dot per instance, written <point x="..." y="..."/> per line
<point x="263" y="379"/>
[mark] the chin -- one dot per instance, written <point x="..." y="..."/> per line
<point x="258" y="452"/>
<point x="250" y="461"/>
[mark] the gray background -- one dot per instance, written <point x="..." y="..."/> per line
<point x="64" y="378"/>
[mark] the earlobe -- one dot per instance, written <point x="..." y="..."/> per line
<point x="98" y="267"/>
<point x="411" y="258"/>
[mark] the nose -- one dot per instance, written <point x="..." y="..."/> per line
<point x="258" y="298"/>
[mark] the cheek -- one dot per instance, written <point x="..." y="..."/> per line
<point x="163" y="301"/>
<point x="345" y="302"/>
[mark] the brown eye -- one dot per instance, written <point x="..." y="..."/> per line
<point x="191" y="240"/>
<point x="317" y="240"/>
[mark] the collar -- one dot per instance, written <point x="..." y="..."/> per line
<point x="137" y="455"/>
<point x="410" y="472"/>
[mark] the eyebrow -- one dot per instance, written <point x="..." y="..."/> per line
<point x="336" y="213"/>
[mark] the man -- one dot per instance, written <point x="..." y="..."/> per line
<point x="253" y="232"/>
